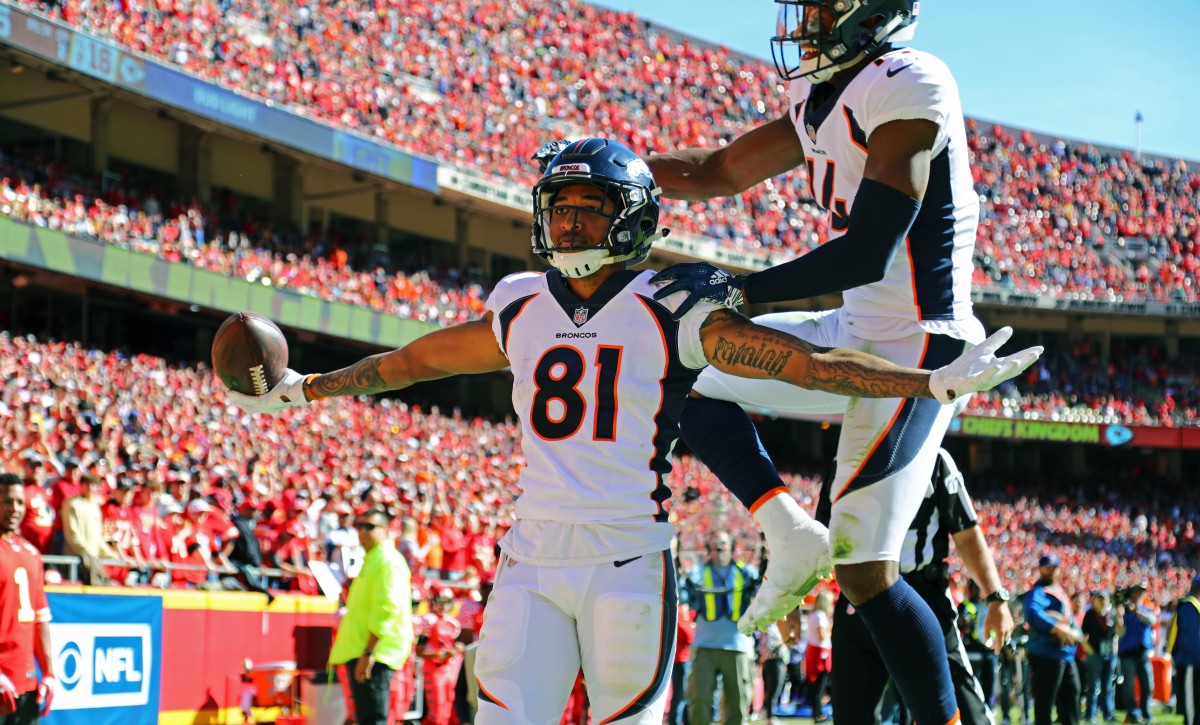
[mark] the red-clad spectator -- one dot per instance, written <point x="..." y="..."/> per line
<point x="294" y="548"/>
<point x="440" y="650"/>
<point x="185" y="550"/>
<point x="455" y="547"/>
<point x="121" y="527"/>
<point x="40" y="514"/>
<point x="153" y="533"/>
<point x="685" y="633"/>
<point x="62" y="490"/>
<point x="470" y="612"/>
<point x="207" y="528"/>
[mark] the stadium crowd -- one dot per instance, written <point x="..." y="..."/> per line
<point x="314" y="263"/>
<point x="1058" y="217"/>
<point x="176" y="461"/>
<point x="179" y="483"/>
<point x="1135" y="385"/>
<point x="176" y="469"/>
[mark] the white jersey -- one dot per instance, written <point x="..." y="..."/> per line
<point x="599" y="386"/>
<point x="928" y="285"/>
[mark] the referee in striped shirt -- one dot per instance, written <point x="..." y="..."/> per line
<point x="859" y="674"/>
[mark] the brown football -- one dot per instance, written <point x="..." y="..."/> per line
<point x="249" y="353"/>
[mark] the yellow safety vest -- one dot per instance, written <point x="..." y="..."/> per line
<point x="1174" y="630"/>
<point x="710" y="596"/>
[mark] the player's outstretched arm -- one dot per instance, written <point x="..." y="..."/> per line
<point x="467" y="348"/>
<point x="462" y="349"/>
<point x="738" y="346"/>
<point x="703" y="173"/>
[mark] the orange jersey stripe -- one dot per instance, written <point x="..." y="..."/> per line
<point x="492" y="698"/>
<point x="767" y="497"/>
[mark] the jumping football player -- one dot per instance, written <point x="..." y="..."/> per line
<point x="880" y="131"/>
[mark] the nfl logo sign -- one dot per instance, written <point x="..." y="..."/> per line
<point x="581" y="315"/>
<point x="812" y="132"/>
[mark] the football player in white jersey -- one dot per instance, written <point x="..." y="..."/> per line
<point x="600" y="373"/>
<point x="880" y="131"/>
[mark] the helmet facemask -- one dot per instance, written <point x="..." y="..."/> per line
<point x="814" y="39"/>
<point x="578" y="239"/>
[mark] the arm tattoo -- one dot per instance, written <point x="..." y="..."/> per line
<point x="858" y="375"/>
<point x="836" y="370"/>
<point x="770" y="360"/>
<point x="720" y="315"/>
<point x="360" y="378"/>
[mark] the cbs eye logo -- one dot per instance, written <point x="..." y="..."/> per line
<point x="70" y="666"/>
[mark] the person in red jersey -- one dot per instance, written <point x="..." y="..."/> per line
<point x="212" y="530"/>
<point x="40" y="514"/>
<point x="24" y="616"/>
<point x="120" y="530"/>
<point x="66" y="487"/>
<point x="185" y="549"/>
<point x="294" y="549"/>
<point x="441" y="654"/>
<point x="150" y="527"/>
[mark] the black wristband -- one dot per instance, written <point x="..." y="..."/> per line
<point x="1000" y="595"/>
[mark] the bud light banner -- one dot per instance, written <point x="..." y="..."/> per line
<point x="106" y="652"/>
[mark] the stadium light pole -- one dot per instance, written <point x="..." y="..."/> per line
<point x="1138" y="119"/>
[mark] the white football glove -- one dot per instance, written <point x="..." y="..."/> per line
<point x="979" y="369"/>
<point x="288" y="392"/>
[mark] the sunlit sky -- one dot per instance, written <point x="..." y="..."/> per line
<point x="1073" y="68"/>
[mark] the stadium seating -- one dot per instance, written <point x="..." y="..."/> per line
<point x="313" y="263"/>
<point x="139" y="419"/>
<point x="1057" y="217"/>
<point x="1137" y="386"/>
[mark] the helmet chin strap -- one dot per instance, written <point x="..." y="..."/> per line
<point x="576" y="265"/>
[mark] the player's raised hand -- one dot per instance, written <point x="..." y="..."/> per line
<point x="288" y="392"/>
<point x="979" y="369"/>
<point x="703" y="282"/>
<point x="548" y="151"/>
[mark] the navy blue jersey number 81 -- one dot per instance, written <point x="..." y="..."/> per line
<point x="557" y="377"/>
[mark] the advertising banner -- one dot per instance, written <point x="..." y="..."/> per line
<point x="1111" y="435"/>
<point x="107" y="655"/>
<point x="56" y="251"/>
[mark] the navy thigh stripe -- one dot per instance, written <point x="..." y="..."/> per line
<point x="911" y="427"/>
<point x="662" y="672"/>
